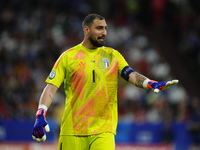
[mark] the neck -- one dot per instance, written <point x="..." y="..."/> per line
<point x="87" y="44"/>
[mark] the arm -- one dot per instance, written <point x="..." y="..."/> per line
<point x="137" y="79"/>
<point x="46" y="98"/>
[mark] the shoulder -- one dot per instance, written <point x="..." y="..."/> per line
<point x="112" y="51"/>
<point x="71" y="51"/>
<point x="109" y="49"/>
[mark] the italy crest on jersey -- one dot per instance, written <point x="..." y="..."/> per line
<point x="106" y="63"/>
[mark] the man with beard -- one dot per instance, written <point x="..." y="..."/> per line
<point x="90" y="72"/>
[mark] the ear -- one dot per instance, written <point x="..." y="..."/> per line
<point x="86" y="30"/>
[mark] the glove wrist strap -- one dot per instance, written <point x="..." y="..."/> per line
<point x="41" y="111"/>
<point x="43" y="107"/>
<point x="145" y="83"/>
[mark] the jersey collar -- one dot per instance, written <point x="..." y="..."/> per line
<point x="89" y="50"/>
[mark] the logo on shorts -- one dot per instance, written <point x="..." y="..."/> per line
<point x="52" y="74"/>
<point x="106" y="63"/>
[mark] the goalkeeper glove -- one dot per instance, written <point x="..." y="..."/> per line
<point x="40" y="126"/>
<point x="159" y="86"/>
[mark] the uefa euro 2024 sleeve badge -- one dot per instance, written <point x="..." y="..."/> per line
<point x="106" y="63"/>
<point x="52" y="74"/>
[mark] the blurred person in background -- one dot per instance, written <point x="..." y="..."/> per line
<point x="90" y="73"/>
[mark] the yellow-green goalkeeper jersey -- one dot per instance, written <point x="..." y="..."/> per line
<point x="90" y="80"/>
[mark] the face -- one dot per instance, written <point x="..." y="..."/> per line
<point x="97" y="33"/>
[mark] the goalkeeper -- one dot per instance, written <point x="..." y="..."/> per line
<point x="90" y="73"/>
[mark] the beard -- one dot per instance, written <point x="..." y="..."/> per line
<point x="95" y="43"/>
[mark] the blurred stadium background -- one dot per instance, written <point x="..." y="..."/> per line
<point x="158" y="38"/>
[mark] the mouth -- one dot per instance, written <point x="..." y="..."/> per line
<point x="101" y="39"/>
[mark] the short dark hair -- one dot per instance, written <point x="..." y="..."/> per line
<point x="90" y="18"/>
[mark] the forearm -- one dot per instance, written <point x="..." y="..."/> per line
<point x="137" y="79"/>
<point x="47" y="96"/>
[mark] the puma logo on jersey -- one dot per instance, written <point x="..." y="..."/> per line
<point x="81" y="64"/>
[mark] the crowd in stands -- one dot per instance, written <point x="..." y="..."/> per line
<point x="34" y="33"/>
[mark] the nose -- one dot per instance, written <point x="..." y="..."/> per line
<point x="104" y="32"/>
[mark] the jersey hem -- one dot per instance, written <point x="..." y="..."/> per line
<point x="87" y="134"/>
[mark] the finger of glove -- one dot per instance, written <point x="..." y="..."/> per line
<point x="34" y="138"/>
<point x="47" y="129"/>
<point x="170" y="83"/>
<point x="34" y="134"/>
<point x="43" y="138"/>
<point x="38" y="132"/>
<point x="38" y="140"/>
<point x="156" y="90"/>
<point x="175" y="82"/>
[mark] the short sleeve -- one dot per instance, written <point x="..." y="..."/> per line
<point x="122" y="62"/>
<point x="58" y="72"/>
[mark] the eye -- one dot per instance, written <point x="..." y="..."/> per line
<point x="99" y="27"/>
